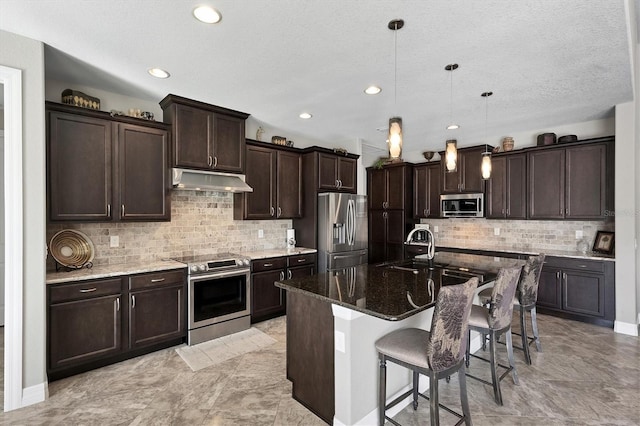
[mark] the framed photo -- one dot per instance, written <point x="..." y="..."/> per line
<point x="603" y="242"/>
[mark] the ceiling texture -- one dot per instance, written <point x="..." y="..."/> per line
<point x="548" y="63"/>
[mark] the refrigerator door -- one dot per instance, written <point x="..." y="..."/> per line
<point x="343" y="260"/>
<point x="342" y="222"/>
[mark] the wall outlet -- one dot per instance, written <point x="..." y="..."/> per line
<point x="496" y="231"/>
<point x="260" y="233"/>
<point x="579" y="234"/>
<point x="114" y="241"/>
<point x="340" y="344"/>
<point x="435" y="228"/>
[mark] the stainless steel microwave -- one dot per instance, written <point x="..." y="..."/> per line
<point x="462" y="205"/>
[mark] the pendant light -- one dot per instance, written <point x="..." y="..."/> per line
<point x="395" y="123"/>
<point x="486" y="155"/>
<point x="451" y="152"/>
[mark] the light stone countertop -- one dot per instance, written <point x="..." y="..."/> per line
<point x="263" y="254"/>
<point x="105" y="271"/>
<point x="557" y="253"/>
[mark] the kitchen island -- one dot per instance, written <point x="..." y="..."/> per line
<point x="334" y="319"/>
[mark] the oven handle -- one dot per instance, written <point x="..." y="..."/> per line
<point x="221" y="274"/>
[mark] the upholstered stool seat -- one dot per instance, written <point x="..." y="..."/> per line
<point x="437" y="353"/>
<point x="495" y="321"/>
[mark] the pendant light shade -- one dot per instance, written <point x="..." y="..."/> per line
<point x="485" y="168"/>
<point x="395" y="137"/>
<point x="395" y="123"/>
<point x="451" y="155"/>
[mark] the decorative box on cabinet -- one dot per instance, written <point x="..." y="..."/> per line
<point x="389" y="194"/>
<point x="102" y="168"/>
<point x="275" y="174"/>
<point x="468" y="176"/>
<point x="323" y="170"/>
<point x="581" y="289"/>
<point x="506" y="194"/>
<point x="94" y="323"/>
<point x="205" y="136"/>
<point x="426" y="190"/>
<point x="575" y="181"/>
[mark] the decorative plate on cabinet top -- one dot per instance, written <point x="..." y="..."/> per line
<point x="72" y="249"/>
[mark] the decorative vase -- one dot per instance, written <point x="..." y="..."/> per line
<point x="507" y="143"/>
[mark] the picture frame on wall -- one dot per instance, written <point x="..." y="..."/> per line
<point x="604" y="242"/>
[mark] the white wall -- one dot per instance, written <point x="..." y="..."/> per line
<point x="28" y="55"/>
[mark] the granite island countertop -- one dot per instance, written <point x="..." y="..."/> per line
<point x="575" y="254"/>
<point x="395" y="294"/>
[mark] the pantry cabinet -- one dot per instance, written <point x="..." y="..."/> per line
<point x="102" y="168"/>
<point x="275" y="174"/>
<point x="205" y="136"/>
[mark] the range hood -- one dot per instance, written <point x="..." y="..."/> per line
<point x="200" y="180"/>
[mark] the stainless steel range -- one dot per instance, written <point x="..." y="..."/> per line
<point x="218" y="296"/>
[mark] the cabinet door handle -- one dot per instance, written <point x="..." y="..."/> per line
<point x="157" y="280"/>
<point x="122" y="210"/>
<point x="267" y="265"/>
<point x="117" y="304"/>
<point x="215" y="162"/>
<point x="108" y="210"/>
<point x="508" y="212"/>
<point x="281" y="275"/>
<point x="289" y="274"/>
<point x="88" y="290"/>
<point x="279" y="211"/>
<point x="564" y="275"/>
<point x="210" y="161"/>
<point x="340" y="180"/>
<point x="302" y="260"/>
<point x="272" y="210"/>
<point x="558" y="275"/>
<point x="337" y="183"/>
<point x="133" y="301"/>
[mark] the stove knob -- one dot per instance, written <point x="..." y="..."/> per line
<point x="194" y="268"/>
<point x="202" y="268"/>
<point x="238" y="262"/>
<point x="246" y="262"/>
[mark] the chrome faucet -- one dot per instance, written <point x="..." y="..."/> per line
<point x="429" y="241"/>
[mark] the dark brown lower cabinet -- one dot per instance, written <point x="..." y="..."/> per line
<point x="90" y="324"/>
<point x="267" y="300"/>
<point x="580" y="289"/>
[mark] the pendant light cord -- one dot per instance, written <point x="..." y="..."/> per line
<point x="395" y="69"/>
<point x="451" y="97"/>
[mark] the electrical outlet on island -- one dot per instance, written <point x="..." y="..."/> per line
<point x="260" y="233"/>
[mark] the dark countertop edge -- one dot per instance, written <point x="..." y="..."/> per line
<point x="519" y="252"/>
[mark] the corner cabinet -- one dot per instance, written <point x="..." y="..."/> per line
<point x="389" y="194"/>
<point x="467" y="177"/>
<point x="275" y="174"/>
<point x="205" y="136"/>
<point x="580" y="289"/>
<point x="94" y="323"/>
<point x="572" y="182"/>
<point x="101" y="168"/>
<point x="426" y="190"/>
<point x="507" y="188"/>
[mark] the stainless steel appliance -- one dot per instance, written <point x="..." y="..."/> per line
<point x="218" y="296"/>
<point x="462" y="205"/>
<point x="342" y="230"/>
<point x="421" y="237"/>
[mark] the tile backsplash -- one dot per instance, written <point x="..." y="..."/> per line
<point x="201" y="223"/>
<point x="536" y="235"/>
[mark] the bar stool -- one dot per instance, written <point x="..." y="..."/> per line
<point x="437" y="353"/>
<point x="527" y="295"/>
<point x="495" y="321"/>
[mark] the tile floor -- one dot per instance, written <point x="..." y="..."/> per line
<point x="587" y="375"/>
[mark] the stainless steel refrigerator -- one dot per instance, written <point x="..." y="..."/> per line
<point x="342" y="230"/>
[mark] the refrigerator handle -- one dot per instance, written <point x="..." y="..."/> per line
<point x="351" y="229"/>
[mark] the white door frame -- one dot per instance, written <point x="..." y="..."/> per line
<point x="11" y="78"/>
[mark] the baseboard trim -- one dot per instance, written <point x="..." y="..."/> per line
<point x="625" y="328"/>
<point x="34" y="394"/>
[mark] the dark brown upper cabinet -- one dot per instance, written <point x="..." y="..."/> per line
<point x="467" y="177"/>
<point x="275" y="174"/>
<point x="506" y="194"/>
<point x="205" y="136"/>
<point x="573" y="182"/>
<point x="106" y="169"/>
<point x="337" y="173"/>
<point x="426" y="190"/>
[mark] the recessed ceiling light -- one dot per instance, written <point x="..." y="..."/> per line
<point x="207" y="14"/>
<point x="158" y="72"/>
<point x="372" y="90"/>
<point x="305" y="115"/>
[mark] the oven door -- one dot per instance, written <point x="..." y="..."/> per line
<point x="218" y="297"/>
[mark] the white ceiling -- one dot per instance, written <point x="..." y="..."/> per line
<point x="548" y="62"/>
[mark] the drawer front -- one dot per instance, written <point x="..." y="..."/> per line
<point x="302" y="259"/>
<point x="577" y="264"/>
<point x="84" y="290"/>
<point x="156" y="279"/>
<point x="269" y="264"/>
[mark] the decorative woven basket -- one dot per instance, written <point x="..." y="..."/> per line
<point x="72" y="249"/>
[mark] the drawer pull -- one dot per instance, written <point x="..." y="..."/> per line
<point x="88" y="290"/>
<point x="267" y="265"/>
<point x="582" y="266"/>
<point x="157" y="280"/>
<point x="302" y="260"/>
